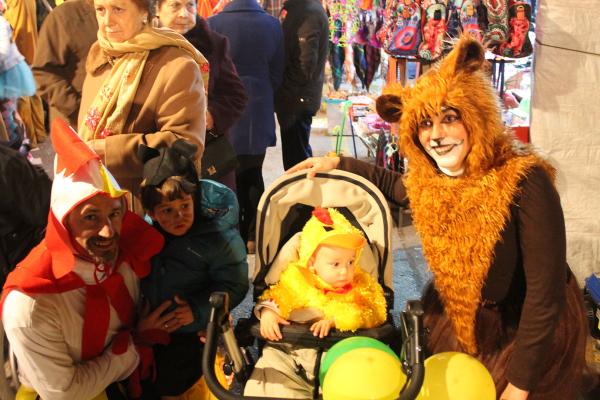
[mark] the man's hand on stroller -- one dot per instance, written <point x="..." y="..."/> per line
<point x="269" y="324"/>
<point x="321" y="328"/>
<point x="313" y="165"/>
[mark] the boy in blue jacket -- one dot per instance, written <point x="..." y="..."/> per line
<point x="203" y="253"/>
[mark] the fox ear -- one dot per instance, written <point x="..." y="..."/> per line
<point x="468" y="55"/>
<point x="389" y="107"/>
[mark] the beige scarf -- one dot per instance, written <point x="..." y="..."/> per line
<point x="109" y="110"/>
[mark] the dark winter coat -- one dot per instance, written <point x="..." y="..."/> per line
<point x="24" y="206"/>
<point x="306" y="44"/>
<point x="256" y="41"/>
<point x="210" y="257"/>
<point x="226" y="95"/>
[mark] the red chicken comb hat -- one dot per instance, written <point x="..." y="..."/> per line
<point x="78" y="176"/>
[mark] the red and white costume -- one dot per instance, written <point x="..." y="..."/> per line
<point x="66" y="319"/>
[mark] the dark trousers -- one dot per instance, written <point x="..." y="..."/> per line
<point x="178" y="364"/>
<point x="250" y="186"/>
<point x="295" y="134"/>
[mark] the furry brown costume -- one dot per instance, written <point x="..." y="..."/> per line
<point x="459" y="247"/>
<point x="461" y="219"/>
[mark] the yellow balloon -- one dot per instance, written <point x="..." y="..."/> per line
<point x="364" y="374"/>
<point x="456" y="376"/>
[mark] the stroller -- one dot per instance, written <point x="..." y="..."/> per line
<point x="283" y="210"/>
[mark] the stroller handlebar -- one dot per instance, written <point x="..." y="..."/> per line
<point x="219" y="321"/>
<point x="412" y="320"/>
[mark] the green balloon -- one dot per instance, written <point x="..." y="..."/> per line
<point x="346" y="345"/>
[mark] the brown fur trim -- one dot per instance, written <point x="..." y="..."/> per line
<point x="460" y="82"/>
<point x="389" y="107"/>
<point x="468" y="56"/>
<point x="459" y="222"/>
<point x="461" y="219"/>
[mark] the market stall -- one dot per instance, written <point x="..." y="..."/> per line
<point x="377" y="42"/>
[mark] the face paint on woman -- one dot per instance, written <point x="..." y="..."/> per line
<point x="445" y="139"/>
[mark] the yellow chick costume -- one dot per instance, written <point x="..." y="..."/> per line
<point x="360" y="304"/>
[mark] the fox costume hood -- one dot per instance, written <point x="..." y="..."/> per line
<point x="460" y="219"/>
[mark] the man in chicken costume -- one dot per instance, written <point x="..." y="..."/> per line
<point x="492" y="229"/>
<point x="69" y="306"/>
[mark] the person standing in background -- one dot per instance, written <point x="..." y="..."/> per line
<point x="23" y="209"/>
<point x="256" y="42"/>
<point x="16" y="81"/>
<point x="21" y="14"/>
<point x="166" y="101"/>
<point x="226" y="95"/>
<point x="306" y="42"/>
<point x="59" y="64"/>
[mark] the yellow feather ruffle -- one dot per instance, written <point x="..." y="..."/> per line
<point x="363" y="306"/>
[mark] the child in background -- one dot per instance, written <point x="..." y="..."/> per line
<point x="324" y="282"/>
<point x="16" y="81"/>
<point x="203" y="253"/>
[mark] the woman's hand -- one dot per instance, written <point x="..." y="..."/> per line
<point x="154" y="320"/>
<point x="269" y="324"/>
<point x="321" y="328"/>
<point x="514" y="393"/>
<point x="315" y="164"/>
<point x="183" y="312"/>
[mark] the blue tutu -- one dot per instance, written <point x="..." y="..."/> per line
<point x="17" y="82"/>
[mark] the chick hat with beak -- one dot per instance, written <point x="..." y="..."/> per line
<point x="327" y="226"/>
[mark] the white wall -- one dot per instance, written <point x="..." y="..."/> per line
<point x="565" y="120"/>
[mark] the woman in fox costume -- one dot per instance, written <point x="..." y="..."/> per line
<point x="492" y="229"/>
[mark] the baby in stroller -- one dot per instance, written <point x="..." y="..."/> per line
<point x="284" y="211"/>
<point x="324" y="287"/>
